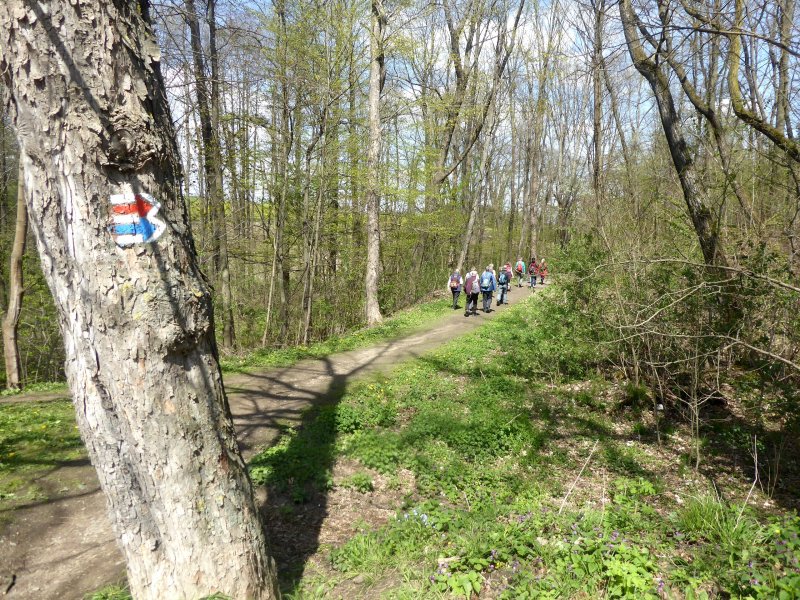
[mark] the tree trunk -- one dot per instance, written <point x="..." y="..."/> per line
<point x="208" y="107"/>
<point x="15" y="290"/>
<point x="478" y="194"/>
<point x="702" y="220"/>
<point x="597" y="108"/>
<point x="512" y="210"/>
<point x="376" y="75"/>
<point x="98" y="150"/>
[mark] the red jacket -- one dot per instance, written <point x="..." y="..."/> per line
<point x="543" y="270"/>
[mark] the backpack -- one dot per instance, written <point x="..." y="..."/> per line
<point x="454" y="282"/>
<point x="486" y="281"/>
<point x="519" y="266"/>
<point x="503" y="279"/>
<point x="476" y="288"/>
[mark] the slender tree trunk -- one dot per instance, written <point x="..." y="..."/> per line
<point x="15" y="290"/>
<point x="376" y="75"/>
<point x="479" y="193"/>
<point x="597" y="108"/>
<point x="523" y="230"/>
<point x="208" y="105"/>
<point x="95" y="130"/>
<point x="512" y="209"/>
<point x="314" y="254"/>
<point x="533" y="199"/>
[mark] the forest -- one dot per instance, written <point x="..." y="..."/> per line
<point x="318" y="169"/>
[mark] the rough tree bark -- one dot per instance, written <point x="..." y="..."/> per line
<point x="15" y="291"/>
<point x="93" y="122"/>
<point x="376" y="79"/>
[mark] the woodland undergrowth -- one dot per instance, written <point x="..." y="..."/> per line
<point x="540" y="469"/>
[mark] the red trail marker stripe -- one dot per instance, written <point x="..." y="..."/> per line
<point x="139" y="207"/>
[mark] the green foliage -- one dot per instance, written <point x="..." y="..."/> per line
<point x="301" y="460"/>
<point x="481" y="441"/>
<point x="395" y="326"/>
<point x="110" y="592"/>
<point x="742" y="556"/>
<point x="710" y="519"/>
<point x="361" y="482"/>
<point x="367" y="405"/>
<point x="620" y="569"/>
<point x="35" y="438"/>
<point x="44" y="386"/>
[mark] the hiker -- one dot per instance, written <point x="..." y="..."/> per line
<point x="533" y="272"/>
<point x="520" y="270"/>
<point x="542" y="271"/>
<point x="456" y="283"/>
<point x="471" y="288"/>
<point x="488" y="285"/>
<point x="503" y="282"/>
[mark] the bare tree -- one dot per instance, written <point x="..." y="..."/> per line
<point x="702" y="219"/>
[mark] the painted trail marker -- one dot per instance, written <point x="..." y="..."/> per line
<point x="134" y="219"/>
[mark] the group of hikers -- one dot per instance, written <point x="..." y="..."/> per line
<point x="490" y="281"/>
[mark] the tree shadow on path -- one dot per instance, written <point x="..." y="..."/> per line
<point x="294" y="470"/>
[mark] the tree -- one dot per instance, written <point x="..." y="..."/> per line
<point x="208" y="101"/>
<point x="694" y="194"/>
<point x="103" y="179"/>
<point x="15" y="291"/>
<point x="377" y="77"/>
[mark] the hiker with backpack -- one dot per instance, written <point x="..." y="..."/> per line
<point x="542" y="271"/>
<point x="471" y="288"/>
<point x="488" y="285"/>
<point x="503" y="282"/>
<point x="520" y="270"/>
<point x="455" y="283"/>
<point x="533" y="272"/>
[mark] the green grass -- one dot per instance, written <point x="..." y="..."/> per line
<point x="393" y="327"/>
<point x="493" y="453"/>
<point x="52" y="386"/>
<point x="110" y="592"/>
<point x="35" y="438"/>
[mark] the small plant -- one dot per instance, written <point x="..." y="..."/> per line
<point x="361" y="482"/>
<point x="708" y="518"/>
<point x="636" y="397"/>
<point x="110" y="592"/>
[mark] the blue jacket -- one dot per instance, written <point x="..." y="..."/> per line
<point x="494" y="282"/>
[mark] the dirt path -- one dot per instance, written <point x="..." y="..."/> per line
<point x="63" y="547"/>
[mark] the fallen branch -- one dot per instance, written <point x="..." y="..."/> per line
<point x="574" y="483"/>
